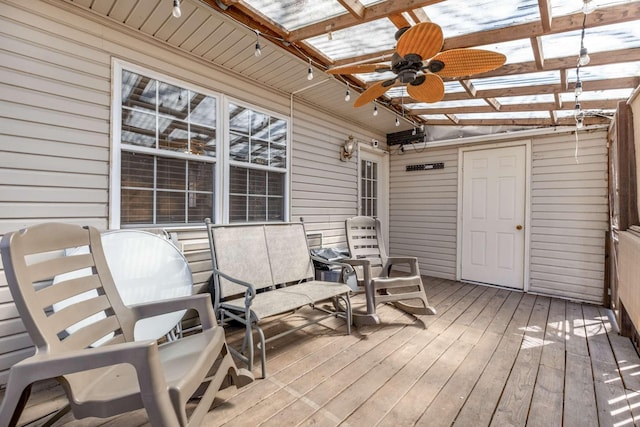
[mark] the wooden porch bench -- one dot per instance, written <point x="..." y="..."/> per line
<point x="263" y="270"/>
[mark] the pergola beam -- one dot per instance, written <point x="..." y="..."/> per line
<point x="599" y="17"/>
<point x="355" y="8"/>
<point x="371" y="13"/>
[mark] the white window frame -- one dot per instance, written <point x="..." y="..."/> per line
<point x="227" y="162"/>
<point x="222" y="162"/>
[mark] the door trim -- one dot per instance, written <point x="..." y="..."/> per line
<point x="382" y="157"/>
<point x="527" y="202"/>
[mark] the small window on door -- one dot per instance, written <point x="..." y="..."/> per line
<point x="368" y="188"/>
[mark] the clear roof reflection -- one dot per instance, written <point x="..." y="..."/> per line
<point x="459" y="17"/>
<point x="567" y="7"/>
<point x="361" y="39"/>
<point x="293" y="14"/>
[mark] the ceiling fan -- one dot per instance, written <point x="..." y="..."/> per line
<point x="418" y="63"/>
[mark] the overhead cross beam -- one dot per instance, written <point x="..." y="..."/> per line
<point x="600" y="17"/>
<point x="371" y="13"/>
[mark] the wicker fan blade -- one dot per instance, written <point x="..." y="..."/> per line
<point x="424" y="39"/>
<point x="372" y="93"/>
<point x="465" y="62"/>
<point x="430" y="90"/>
<point x="360" y="68"/>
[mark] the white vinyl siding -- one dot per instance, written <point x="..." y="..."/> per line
<point x="422" y="210"/>
<point x="55" y="98"/>
<point x="569" y="213"/>
<point x="569" y="216"/>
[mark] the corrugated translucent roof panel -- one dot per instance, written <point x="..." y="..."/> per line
<point x="374" y="36"/>
<point x="516" y="51"/>
<point x="567" y="7"/>
<point x="530" y="79"/>
<point x="504" y="115"/>
<point x="458" y="17"/>
<point x="598" y="39"/>
<point x="449" y="104"/>
<point x="529" y="99"/>
<point x="596" y="95"/>
<point x="610" y="71"/>
<point x="293" y="14"/>
<point x="374" y="77"/>
<point x="428" y="117"/>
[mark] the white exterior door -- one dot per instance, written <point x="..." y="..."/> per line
<point x="493" y="216"/>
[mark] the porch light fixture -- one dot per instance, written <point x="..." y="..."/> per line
<point x="310" y="71"/>
<point x="347" y="96"/>
<point x="578" y="90"/>
<point x="176" y="12"/>
<point x="397" y="121"/>
<point x="346" y="151"/>
<point x="375" y="109"/>
<point x="584" y="57"/>
<point x="588" y="6"/>
<point x="258" y="50"/>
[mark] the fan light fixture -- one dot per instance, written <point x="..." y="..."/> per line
<point x="346" y="151"/>
<point x="176" y="12"/>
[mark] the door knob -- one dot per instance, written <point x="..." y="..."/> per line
<point x="518" y="227"/>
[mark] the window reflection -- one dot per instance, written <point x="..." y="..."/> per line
<point x="166" y="187"/>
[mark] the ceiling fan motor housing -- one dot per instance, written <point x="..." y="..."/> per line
<point x="407" y="76"/>
<point x="408" y="67"/>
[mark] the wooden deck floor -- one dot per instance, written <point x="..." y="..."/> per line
<point x="489" y="357"/>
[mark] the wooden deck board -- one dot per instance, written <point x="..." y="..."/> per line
<point x="580" y="407"/>
<point x="489" y="357"/>
<point x="611" y="399"/>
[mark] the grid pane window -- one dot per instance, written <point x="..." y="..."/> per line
<point x="256" y="195"/>
<point x="368" y="188"/>
<point x="258" y="156"/>
<point x="172" y="182"/>
<point x="168" y="156"/>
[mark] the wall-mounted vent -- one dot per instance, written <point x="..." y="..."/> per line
<point x="425" y="166"/>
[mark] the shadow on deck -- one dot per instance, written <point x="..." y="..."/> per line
<point x="489" y="357"/>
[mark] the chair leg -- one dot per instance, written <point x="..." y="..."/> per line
<point x="248" y="340"/>
<point x="263" y="351"/>
<point x="12" y="404"/>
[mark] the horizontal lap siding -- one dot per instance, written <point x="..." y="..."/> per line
<point x="422" y="214"/>
<point x="324" y="189"/>
<point x="55" y="98"/>
<point x="569" y="213"/>
<point x="54" y="143"/>
<point x="569" y="216"/>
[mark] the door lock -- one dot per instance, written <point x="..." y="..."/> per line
<point x="518" y="227"/>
